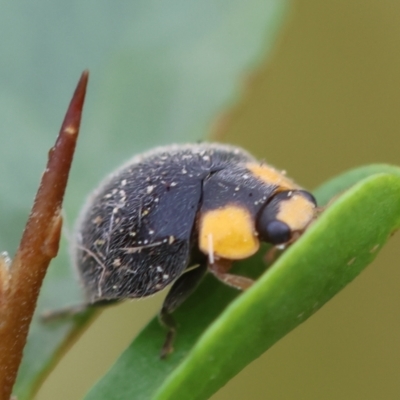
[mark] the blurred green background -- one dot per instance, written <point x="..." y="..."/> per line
<point x="326" y="101"/>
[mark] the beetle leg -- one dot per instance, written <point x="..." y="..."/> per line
<point x="219" y="269"/>
<point x="182" y="288"/>
<point x="72" y="311"/>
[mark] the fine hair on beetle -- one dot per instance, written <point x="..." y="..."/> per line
<point x="171" y="214"/>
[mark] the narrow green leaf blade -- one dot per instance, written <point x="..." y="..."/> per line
<point x="337" y="185"/>
<point x="338" y="246"/>
<point x="331" y="254"/>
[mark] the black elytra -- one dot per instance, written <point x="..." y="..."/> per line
<point x="176" y="207"/>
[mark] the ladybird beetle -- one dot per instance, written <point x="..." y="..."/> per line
<point x="173" y="213"/>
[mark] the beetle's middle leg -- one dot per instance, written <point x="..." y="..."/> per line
<point x="182" y="288"/>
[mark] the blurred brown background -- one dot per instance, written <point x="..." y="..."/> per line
<point x="328" y="101"/>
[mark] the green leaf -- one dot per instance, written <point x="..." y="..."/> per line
<point x="333" y="251"/>
<point x="340" y="183"/>
<point x="159" y="74"/>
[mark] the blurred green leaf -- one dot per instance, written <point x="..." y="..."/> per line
<point x="337" y="185"/>
<point x="333" y="251"/>
<point x="159" y="74"/>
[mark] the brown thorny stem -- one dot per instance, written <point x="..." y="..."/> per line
<point x="20" y="283"/>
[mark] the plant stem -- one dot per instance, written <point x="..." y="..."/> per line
<point x="20" y="283"/>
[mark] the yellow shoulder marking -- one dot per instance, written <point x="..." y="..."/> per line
<point x="228" y="232"/>
<point x="271" y="176"/>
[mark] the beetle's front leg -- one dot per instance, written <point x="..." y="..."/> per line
<point x="219" y="268"/>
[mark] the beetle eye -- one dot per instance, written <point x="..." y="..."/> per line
<point x="270" y="227"/>
<point x="277" y="232"/>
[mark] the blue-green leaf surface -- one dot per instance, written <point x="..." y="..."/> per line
<point x="160" y="73"/>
